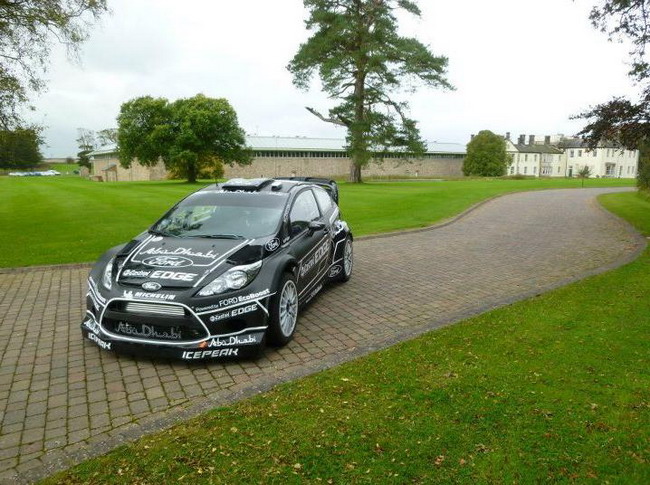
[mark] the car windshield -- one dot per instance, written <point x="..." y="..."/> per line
<point x="229" y="215"/>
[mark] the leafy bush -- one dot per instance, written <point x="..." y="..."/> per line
<point x="212" y="171"/>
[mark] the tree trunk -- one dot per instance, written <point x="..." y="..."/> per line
<point x="191" y="172"/>
<point x="355" y="172"/>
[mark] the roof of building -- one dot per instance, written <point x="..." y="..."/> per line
<point x="303" y="143"/>
<point x="548" y="149"/>
<point x="579" y="143"/>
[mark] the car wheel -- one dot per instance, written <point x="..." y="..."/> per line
<point x="348" y="261"/>
<point x="284" y="312"/>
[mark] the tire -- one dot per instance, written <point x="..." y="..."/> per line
<point x="348" y="264"/>
<point x="283" y="312"/>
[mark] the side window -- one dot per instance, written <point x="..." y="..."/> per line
<point x="304" y="211"/>
<point x="324" y="200"/>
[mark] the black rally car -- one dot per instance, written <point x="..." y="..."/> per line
<point x="222" y="272"/>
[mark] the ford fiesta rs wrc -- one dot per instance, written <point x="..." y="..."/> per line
<point x="222" y="273"/>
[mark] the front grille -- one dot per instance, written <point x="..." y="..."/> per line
<point x="152" y="321"/>
<point x="155" y="309"/>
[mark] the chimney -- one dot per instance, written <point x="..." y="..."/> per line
<point x="531" y="139"/>
<point x="547" y="140"/>
<point x="508" y="135"/>
<point x="522" y="140"/>
<point x="472" y="136"/>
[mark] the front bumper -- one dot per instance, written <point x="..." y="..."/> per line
<point x="244" y="344"/>
<point x="232" y="326"/>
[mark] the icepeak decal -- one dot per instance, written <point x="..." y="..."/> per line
<point x="99" y="342"/>
<point x="202" y="354"/>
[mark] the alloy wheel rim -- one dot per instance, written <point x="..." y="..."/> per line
<point x="288" y="308"/>
<point x="347" y="258"/>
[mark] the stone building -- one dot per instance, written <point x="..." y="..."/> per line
<point x="298" y="156"/>
<point x="560" y="156"/>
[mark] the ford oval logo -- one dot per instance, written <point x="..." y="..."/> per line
<point x="151" y="286"/>
<point x="168" y="262"/>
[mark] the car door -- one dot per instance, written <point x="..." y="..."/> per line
<point x="310" y="247"/>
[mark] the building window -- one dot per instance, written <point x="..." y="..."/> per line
<point x="512" y="170"/>
<point x="579" y="153"/>
<point x="595" y="152"/>
<point x="558" y="170"/>
<point x="526" y="157"/>
<point x="535" y="170"/>
<point x="525" y="170"/>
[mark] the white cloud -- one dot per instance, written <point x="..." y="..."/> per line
<point x="517" y="66"/>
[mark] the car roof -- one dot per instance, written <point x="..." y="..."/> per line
<point x="266" y="185"/>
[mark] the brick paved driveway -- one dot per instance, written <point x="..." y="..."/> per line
<point x="62" y="399"/>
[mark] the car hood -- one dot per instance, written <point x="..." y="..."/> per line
<point x="182" y="262"/>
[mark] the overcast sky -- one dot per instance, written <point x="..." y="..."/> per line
<point x="518" y="65"/>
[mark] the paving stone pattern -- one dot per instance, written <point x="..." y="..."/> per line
<point x="63" y="399"/>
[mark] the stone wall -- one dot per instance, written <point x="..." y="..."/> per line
<point x="289" y="166"/>
<point x="339" y="167"/>
<point x="110" y="170"/>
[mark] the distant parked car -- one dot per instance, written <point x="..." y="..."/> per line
<point x="221" y="273"/>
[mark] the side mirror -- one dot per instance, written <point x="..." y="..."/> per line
<point x="315" y="226"/>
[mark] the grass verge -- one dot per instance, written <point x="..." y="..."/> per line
<point x="556" y="388"/>
<point x="50" y="220"/>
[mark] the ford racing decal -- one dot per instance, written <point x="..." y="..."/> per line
<point x="168" y="262"/>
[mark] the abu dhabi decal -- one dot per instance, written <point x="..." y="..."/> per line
<point x="99" y="342"/>
<point x="202" y="354"/>
<point x="131" y="295"/>
<point x="135" y="273"/>
<point x="315" y="258"/>
<point x="235" y="312"/>
<point x="172" y="275"/>
<point x="147" y="331"/>
<point x="272" y="245"/>
<point x="168" y="262"/>
<point x="250" y="339"/>
<point x="176" y="257"/>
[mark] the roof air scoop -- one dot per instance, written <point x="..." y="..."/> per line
<point x="249" y="185"/>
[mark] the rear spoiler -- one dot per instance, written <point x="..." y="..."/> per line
<point x="329" y="185"/>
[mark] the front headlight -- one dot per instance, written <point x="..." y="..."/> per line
<point x="107" y="279"/>
<point x="233" y="279"/>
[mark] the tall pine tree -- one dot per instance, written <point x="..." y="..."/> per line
<point x="363" y="62"/>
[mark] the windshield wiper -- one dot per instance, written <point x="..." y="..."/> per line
<point x="220" y="236"/>
<point x="156" y="232"/>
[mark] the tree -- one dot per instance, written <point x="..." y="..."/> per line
<point x="87" y="143"/>
<point x="107" y="136"/>
<point x="20" y="148"/>
<point x="362" y="63"/>
<point x="622" y="120"/>
<point x="27" y="28"/>
<point x="187" y="134"/>
<point x="584" y="173"/>
<point x="486" y="156"/>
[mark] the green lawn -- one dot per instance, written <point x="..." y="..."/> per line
<point x="552" y="389"/>
<point x="67" y="219"/>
